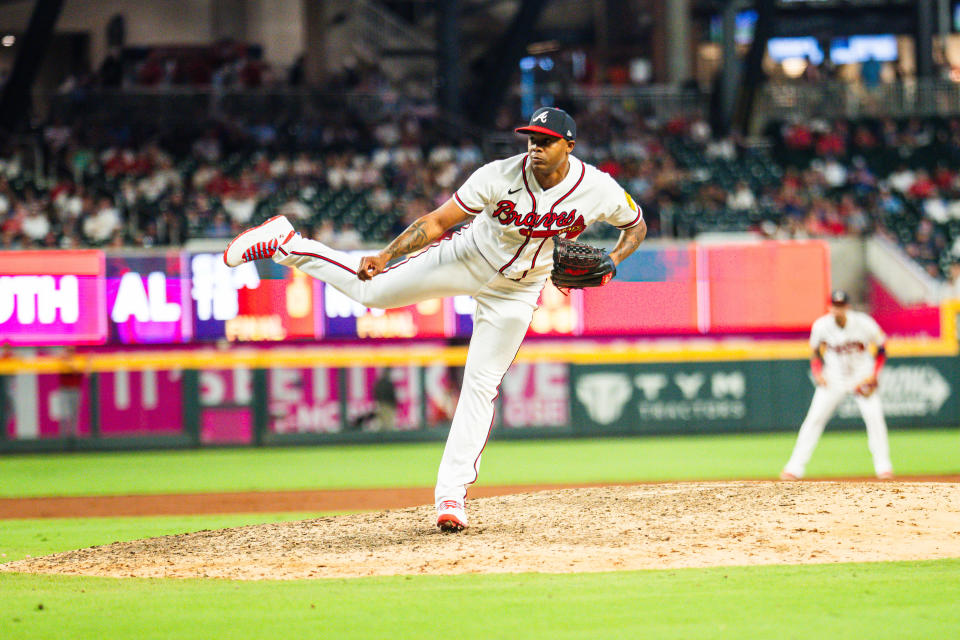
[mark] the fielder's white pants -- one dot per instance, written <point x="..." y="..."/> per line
<point x="825" y="401"/>
<point x="451" y="267"/>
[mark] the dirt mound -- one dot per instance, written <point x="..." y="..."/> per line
<point x="594" y="529"/>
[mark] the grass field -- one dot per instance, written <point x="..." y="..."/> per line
<point x="877" y="600"/>
<point x="856" y="601"/>
<point x="504" y="463"/>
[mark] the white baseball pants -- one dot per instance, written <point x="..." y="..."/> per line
<point x="825" y="401"/>
<point x="454" y="266"/>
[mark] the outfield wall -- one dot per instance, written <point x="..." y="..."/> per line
<point x="187" y="298"/>
<point x="568" y="394"/>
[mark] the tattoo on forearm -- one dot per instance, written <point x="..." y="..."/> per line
<point x="629" y="240"/>
<point x="413" y="238"/>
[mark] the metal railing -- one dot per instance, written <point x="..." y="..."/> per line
<point x="775" y="102"/>
<point x="908" y="98"/>
<point x="174" y="104"/>
<point x="660" y="101"/>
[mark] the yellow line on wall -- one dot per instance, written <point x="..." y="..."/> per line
<point x="248" y="357"/>
<point x="303" y="357"/>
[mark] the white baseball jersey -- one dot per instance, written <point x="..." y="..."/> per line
<point x="847" y="361"/>
<point x="847" y="357"/>
<point x="515" y="219"/>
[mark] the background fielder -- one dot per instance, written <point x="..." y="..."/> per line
<point x="502" y="257"/>
<point x="848" y="354"/>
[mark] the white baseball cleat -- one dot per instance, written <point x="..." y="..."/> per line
<point x="451" y="516"/>
<point x="258" y="243"/>
<point x="787" y="476"/>
<point x="885" y="475"/>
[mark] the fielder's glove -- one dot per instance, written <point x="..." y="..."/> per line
<point x="577" y="265"/>
<point x="866" y="388"/>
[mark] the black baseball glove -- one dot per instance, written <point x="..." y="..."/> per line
<point x="577" y="265"/>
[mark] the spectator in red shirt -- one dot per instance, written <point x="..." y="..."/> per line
<point x="798" y="136"/>
<point x="923" y="187"/>
<point x="831" y="143"/>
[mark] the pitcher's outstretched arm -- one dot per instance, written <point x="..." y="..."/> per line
<point x="423" y="232"/>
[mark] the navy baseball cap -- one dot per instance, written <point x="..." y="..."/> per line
<point x="552" y="122"/>
<point x="839" y="297"/>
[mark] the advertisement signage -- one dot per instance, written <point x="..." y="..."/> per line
<point x="37" y="407"/>
<point x="345" y="318"/>
<point x="52" y="297"/>
<point x="662" y="397"/>
<point x="149" y="300"/>
<point x="303" y="400"/>
<point x="140" y="403"/>
<point x="369" y="403"/>
<point x="655" y="292"/>
<point x="769" y="286"/>
<point x="256" y="301"/>
<point x="536" y="395"/>
<point x="81" y="297"/>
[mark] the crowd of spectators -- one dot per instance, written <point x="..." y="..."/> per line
<point x="899" y="179"/>
<point x="113" y="185"/>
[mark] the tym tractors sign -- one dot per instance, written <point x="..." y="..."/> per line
<point x="664" y="397"/>
<point x="747" y="396"/>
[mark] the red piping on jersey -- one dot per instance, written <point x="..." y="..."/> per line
<point x="307" y="254"/>
<point x="476" y="472"/>
<point x="816" y="364"/>
<point x="534" y="262"/>
<point x="460" y="202"/>
<point x="335" y="263"/>
<point x="583" y="172"/>
<point x="523" y="172"/>
<point x="516" y="255"/>
<point x="435" y="244"/>
<point x="880" y="359"/>
<point x="635" y="220"/>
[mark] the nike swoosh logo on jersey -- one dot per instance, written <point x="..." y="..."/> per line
<point x="513" y="191"/>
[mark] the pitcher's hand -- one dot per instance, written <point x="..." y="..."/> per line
<point x="371" y="266"/>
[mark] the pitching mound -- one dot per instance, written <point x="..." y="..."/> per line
<point x="598" y="529"/>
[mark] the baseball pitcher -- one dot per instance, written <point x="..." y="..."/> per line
<point x="515" y="210"/>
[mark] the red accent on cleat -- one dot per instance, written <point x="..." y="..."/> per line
<point x="449" y="523"/>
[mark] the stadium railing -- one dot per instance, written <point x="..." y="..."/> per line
<point x="836" y="99"/>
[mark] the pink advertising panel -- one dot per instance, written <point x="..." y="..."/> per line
<point x="148" y="299"/>
<point x="303" y="400"/>
<point x="655" y="292"/>
<point x="39" y="407"/>
<point x="366" y="386"/>
<point x="141" y="403"/>
<point x="535" y="395"/>
<point x="52" y="298"/>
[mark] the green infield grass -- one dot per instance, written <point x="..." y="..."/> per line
<point x="856" y="601"/>
<point x="505" y="462"/>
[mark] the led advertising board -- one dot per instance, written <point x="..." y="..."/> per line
<point x="52" y="298"/>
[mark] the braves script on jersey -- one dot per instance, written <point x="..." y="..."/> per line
<point x="515" y="217"/>
<point x="847" y="357"/>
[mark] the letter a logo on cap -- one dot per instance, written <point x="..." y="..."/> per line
<point x="542" y="117"/>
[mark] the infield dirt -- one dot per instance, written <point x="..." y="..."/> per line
<point x="655" y="526"/>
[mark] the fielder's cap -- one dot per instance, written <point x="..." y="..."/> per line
<point x="552" y="122"/>
<point x="839" y="297"/>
